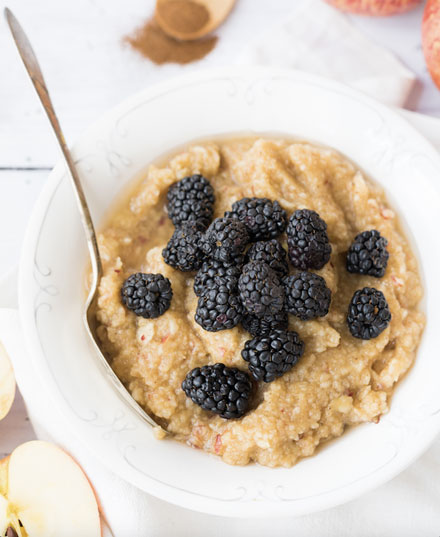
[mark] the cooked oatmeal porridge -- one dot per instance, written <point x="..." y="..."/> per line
<point x="339" y="381"/>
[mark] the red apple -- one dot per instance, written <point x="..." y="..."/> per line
<point x="375" y="7"/>
<point x="431" y="38"/>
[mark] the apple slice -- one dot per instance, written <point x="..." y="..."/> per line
<point x="375" y="7"/>
<point x="43" y="492"/>
<point x="7" y="383"/>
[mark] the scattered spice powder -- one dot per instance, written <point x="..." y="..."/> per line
<point x="153" y="43"/>
<point x="183" y="16"/>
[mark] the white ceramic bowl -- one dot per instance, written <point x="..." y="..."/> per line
<point x="51" y="282"/>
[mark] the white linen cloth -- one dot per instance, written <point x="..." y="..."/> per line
<point x="318" y="39"/>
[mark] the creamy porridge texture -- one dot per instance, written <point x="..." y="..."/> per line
<point x="339" y="381"/>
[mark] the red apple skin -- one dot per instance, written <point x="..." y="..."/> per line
<point x="431" y="39"/>
<point x="380" y="8"/>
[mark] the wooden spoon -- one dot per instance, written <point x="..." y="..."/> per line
<point x="173" y="16"/>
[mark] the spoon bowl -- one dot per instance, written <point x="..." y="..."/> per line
<point x="216" y="12"/>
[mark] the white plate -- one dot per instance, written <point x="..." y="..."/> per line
<point x="51" y="283"/>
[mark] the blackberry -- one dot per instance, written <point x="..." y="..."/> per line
<point x="261" y="292"/>
<point x="260" y="325"/>
<point x="307" y="295"/>
<point x="183" y="249"/>
<point x="368" y="254"/>
<point x="272" y="253"/>
<point x="191" y="199"/>
<point x="264" y="218"/>
<point x="223" y="390"/>
<point x="225" y="239"/>
<point x="213" y="273"/>
<point x="307" y="240"/>
<point x="272" y="354"/>
<point x="147" y="295"/>
<point x="368" y="313"/>
<point x="218" y="309"/>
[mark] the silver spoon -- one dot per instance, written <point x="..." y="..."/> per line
<point x="33" y="68"/>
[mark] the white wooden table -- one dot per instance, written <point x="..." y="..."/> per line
<point x="88" y="70"/>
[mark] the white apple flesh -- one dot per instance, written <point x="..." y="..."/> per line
<point x="7" y="383"/>
<point x="46" y="491"/>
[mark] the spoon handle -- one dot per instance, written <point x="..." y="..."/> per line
<point x="34" y="71"/>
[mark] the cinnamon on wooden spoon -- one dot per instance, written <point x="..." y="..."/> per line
<point x="191" y="19"/>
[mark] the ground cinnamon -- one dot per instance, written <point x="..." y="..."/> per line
<point x="153" y="43"/>
<point x="183" y="16"/>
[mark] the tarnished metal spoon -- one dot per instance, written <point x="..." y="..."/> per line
<point x="33" y="68"/>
